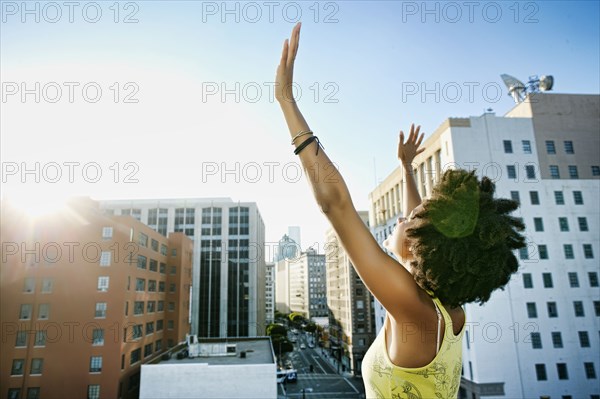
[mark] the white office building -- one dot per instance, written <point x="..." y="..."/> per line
<point x="228" y="288"/>
<point x="539" y="337"/>
<point x="269" y="293"/>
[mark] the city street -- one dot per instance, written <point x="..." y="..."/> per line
<point x="324" y="381"/>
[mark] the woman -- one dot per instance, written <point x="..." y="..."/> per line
<point x="453" y="249"/>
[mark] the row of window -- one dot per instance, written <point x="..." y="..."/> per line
<point x="18" y="366"/>
<point x="563" y="223"/>
<point x="557" y="342"/>
<point x="32" y="393"/>
<point x="143" y="241"/>
<point x="140" y="286"/>
<point x="151" y="307"/>
<point x="136" y="332"/>
<point x="573" y="280"/>
<point x="559" y="198"/>
<point x="153" y="265"/>
<point x="550" y="147"/>
<point x="552" y="308"/>
<point x="542" y="252"/>
<point x="562" y="371"/>
<point x="511" y="171"/>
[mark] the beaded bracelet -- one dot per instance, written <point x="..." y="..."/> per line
<point x="302" y="133"/>
<point x="306" y="142"/>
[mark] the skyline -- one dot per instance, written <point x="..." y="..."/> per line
<point x="203" y="91"/>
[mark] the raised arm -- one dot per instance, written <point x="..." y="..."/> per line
<point x="327" y="184"/>
<point x="407" y="151"/>
<point x="389" y="282"/>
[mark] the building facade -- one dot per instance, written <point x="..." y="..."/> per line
<point x="351" y="317"/>
<point x="269" y="292"/>
<point x="539" y="336"/>
<point x="85" y="300"/>
<point x="228" y="299"/>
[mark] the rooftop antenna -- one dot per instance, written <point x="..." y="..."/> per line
<point x="519" y="90"/>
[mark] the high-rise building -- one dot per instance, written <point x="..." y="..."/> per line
<point x="539" y="336"/>
<point x="351" y="318"/>
<point x="228" y="299"/>
<point x="86" y="299"/>
<point x="301" y="285"/>
<point x="269" y="292"/>
<point x="287" y="248"/>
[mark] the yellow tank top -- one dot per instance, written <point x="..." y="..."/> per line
<point x="439" y="379"/>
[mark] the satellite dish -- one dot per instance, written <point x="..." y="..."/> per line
<point x="516" y="88"/>
<point x="546" y="82"/>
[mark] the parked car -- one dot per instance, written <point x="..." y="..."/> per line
<point x="292" y="376"/>
<point x="302" y="346"/>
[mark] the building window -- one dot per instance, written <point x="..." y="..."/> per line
<point x="524" y="253"/>
<point x="173" y="270"/>
<point x="583" y="226"/>
<point x="170" y="324"/>
<point x="14" y="393"/>
<point x="597" y="308"/>
<point x="140" y="284"/>
<point x="171" y="306"/>
<point x="547" y="277"/>
<point x="98" y="337"/>
<point x="142" y="262"/>
<point x="595" y="170"/>
<point x="536" y="340"/>
<point x="540" y="371"/>
<point x="158" y="345"/>
<point x="161" y="286"/>
<point x="153" y="265"/>
<point x="530" y="171"/>
<point x="526" y="146"/>
<point x="590" y="371"/>
<point x="137" y="331"/>
<point x="568" y="249"/>
<point x="151" y="306"/>
<point x="143" y="238"/>
<point x="25" y="312"/>
<point x="105" y="258"/>
<point x="584" y="339"/>
<point x="100" y="310"/>
<point x="512" y="172"/>
<point x="17" y="367"/>
<point x="172" y="287"/>
<point x="578" y="308"/>
<point x="154" y="245"/>
<point x="531" y="310"/>
<point x="138" y="308"/>
<point x="21" y="339"/>
<point x="159" y="325"/>
<point x="569" y="147"/>
<point x="93" y="391"/>
<point x="95" y="364"/>
<point x="557" y="339"/>
<point x="47" y="285"/>
<point x="107" y="232"/>
<point x="554" y="172"/>
<point x="578" y="197"/>
<point x="563" y="224"/>
<point x="151" y="285"/>
<point x="543" y="251"/>
<point x="508" y="147"/>
<point x="160" y="306"/>
<point x="538" y="223"/>
<point x="44" y="311"/>
<point x="559" y="198"/>
<point x="561" y="368"/>
<point x="535" y="198"/>
<point x="40" y="338"/>
<point x="33" y="393"/>
<point x="573" y="174"/>
<point x="163" y="268"/>
<point x="550" y="149"/>
<point x="552" y="310"/>
<point x="593" y="277"/>
<point x="573" y="280"/>
<point x="29" y="285"/>
<point x="587" y="251"/>
<point x="37" y="365"/>
<point x="514" y="195"/>
<point x="527" y="281"/>
<point x="149" y="328"/>
<point x="103" y="282"/>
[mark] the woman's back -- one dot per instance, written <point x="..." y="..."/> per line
<point x="403" y="363"/>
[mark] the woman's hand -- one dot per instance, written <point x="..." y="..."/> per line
<point x="407" y="151"/>
<point x="285" y="71"/>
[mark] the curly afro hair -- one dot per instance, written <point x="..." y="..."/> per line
<point x="463" y="240"/>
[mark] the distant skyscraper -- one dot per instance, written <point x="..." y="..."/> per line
<point x="228" y="299"/>
<point x="85" y="300"/>
<point x="538" y="337"/>
<point x="287" y="248"/>
<point x="294" y="234"/>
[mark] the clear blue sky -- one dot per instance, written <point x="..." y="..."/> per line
<point x="356" y="64"/>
